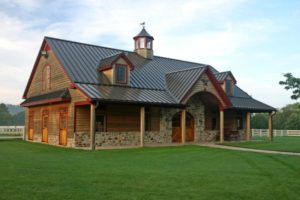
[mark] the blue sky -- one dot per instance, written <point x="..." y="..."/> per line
<point x="257" y="40"/>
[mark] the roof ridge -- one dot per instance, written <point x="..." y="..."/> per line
<point x="124" y="86"/>
<point x="181" y="70"/>
<point x="183" y="60"/>
<point x="82" y="43"/>
<point x="155" y="56"/>
<point x="112" y="55"/>
<point x="223" y="72"/>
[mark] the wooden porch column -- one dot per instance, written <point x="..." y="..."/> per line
<point x="221" y="126"/>
<point x="248" y="126"/>
<point x="142" y="123"/>
<point x="270" y="126"/>
<point x="92" y="126"/>
<point x="183" y="125"/>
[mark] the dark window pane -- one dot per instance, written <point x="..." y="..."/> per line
<point x="121" y="74"/>
<point x="228" y="87"/>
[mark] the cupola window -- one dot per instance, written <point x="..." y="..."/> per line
<point x="142" y="43"/>
<point x="149" y="44"/>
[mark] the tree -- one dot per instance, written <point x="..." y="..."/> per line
<point x="5" y="116"/>
<point x="292" y="83"/>
<point x="259" y="121"/>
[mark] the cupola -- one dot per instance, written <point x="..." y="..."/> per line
<point x="143" y="44"/>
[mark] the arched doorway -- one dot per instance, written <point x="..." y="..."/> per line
<point x="176" y="128"/>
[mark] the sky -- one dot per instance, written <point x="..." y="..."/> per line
<point x="258" y="41"/>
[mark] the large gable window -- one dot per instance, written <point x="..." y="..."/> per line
<point x="47" y="77"/>
<point x="121" y="74"/>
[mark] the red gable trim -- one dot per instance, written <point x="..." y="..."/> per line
<point x="82" y="103"/>
<point x="217" y="86"/>
<point x="48" y="101"/>
<point x="109" y="66"/>
<point x="46" y="46"/>
<point x="34" y="68"/>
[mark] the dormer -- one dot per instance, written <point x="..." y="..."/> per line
<point x="116" y="68"/>
<point x="227" y="81"/>
<point x="143" y="44"/>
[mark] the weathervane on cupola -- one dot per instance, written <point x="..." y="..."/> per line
<point x="143" y="43"/>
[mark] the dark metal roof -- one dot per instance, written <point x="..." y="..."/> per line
<point x="149" y="81"/>
<point x="127" y="94"/>
<point x="143" y="33"/>
<point x="221" y="76"/>
<point x="108" y="60"/>
<point x="179" y="82"/>
<point x="61" y="94"/>
<point x="250" y="104"/>
<point x="82" y="60"/>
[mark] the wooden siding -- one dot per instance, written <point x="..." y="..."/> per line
<point x="58" y="78"/>
<point x="122" y="118"/>
<point x="119" y="118"/>
<point x="82" y="118"/>
<point x="200" y="87"/>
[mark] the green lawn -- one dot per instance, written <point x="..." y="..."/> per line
<point x="286" y="143"/>
<point x="36" y="171"/>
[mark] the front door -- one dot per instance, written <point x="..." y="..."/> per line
<point x="45" y="120"/>
<point x="189" y="128"/>
<point x="176" y="128"/>
<point x="63" y="121"/>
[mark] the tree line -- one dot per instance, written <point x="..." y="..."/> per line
<point x="8" y="119"/>
<point x="287" y="118"/>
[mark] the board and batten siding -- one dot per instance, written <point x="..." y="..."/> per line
<point x="58" y="80"/>
<point x="199" y="87"/>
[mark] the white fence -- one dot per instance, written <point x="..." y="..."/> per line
<point x="265" y="132"/>
<point x="12" y="131"/>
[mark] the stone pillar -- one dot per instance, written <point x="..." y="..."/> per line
<point x="270" y="126"/>
<point x="221" y="126"/>
<point x="142" y="123"/>
<point x="248" y="126"/>
<point x="183" y="127"/>
<point x="92" y="127"/>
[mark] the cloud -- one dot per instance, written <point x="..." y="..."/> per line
<point x="202" y="31"/>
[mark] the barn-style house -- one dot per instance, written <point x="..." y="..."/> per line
<point x="87" y="96"/>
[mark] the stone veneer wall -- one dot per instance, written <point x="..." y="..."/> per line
<point x="82" y="139"/>
<point x="157" y="137"/>
<point x="112" y="139"/>
<point x="52" y="140"/>
<point x="196" y="109"/>
<point x="209" y="135"/>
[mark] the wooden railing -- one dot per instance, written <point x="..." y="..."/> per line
<point x="265" y="132"/>
<point x="12" y="131"/>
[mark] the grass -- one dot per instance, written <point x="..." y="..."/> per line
<point x="36" y="171"/>
<point x="286" y="143"/>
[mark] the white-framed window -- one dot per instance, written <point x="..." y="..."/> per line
<point x="136" y="44"/>
<point x="149" y="44"/>
<point x="142" y="43"/>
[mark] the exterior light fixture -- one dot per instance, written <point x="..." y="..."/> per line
<point x="44" y="53"/>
